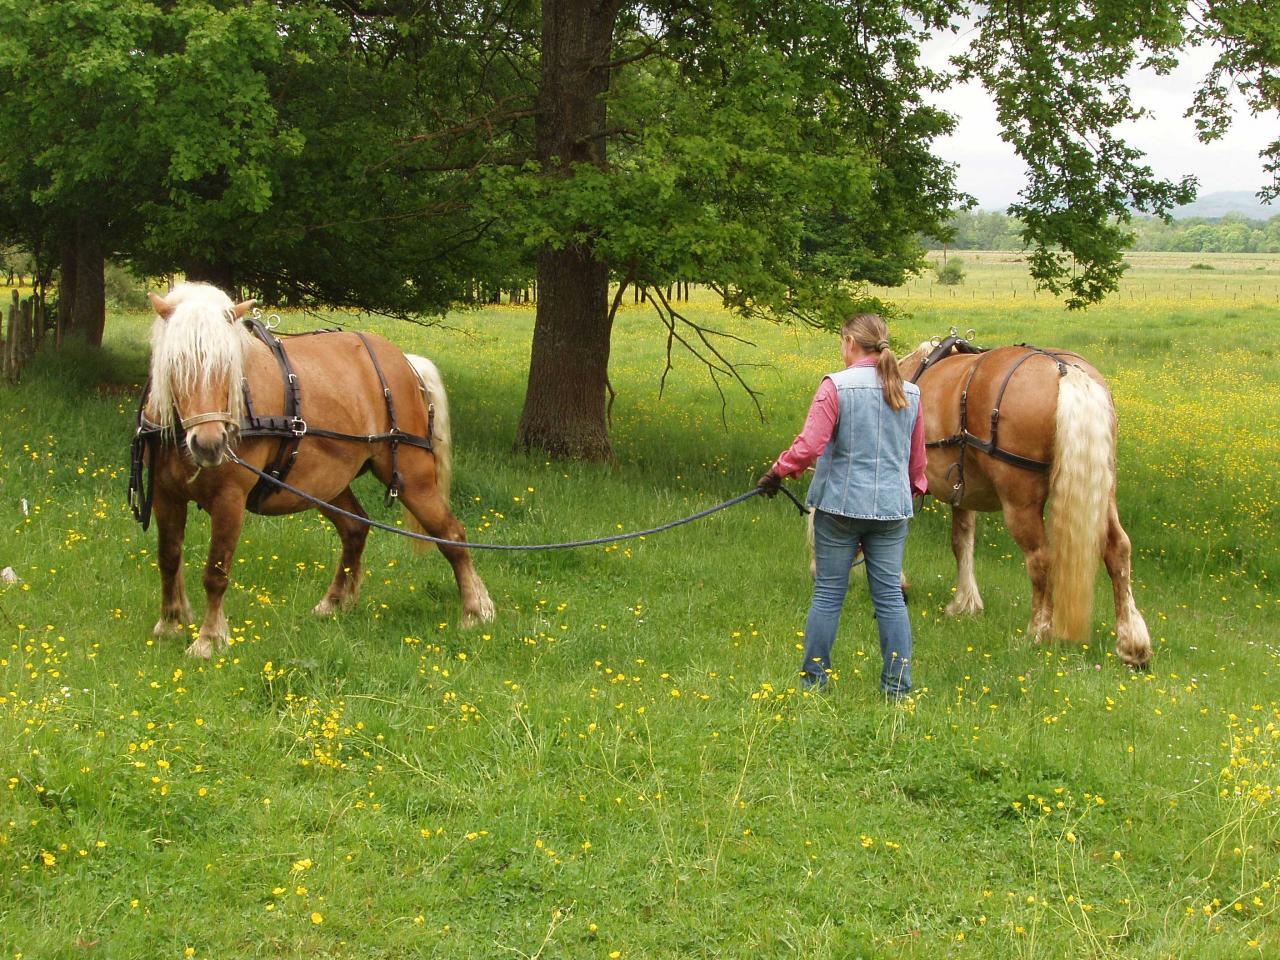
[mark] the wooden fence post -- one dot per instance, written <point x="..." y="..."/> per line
<point x="11" y="345"/>
<point x="28" y="330"/>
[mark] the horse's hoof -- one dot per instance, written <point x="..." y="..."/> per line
<point x="483" y="614"/>
<point x="168" y="628"/>
<point x="325" y="608"/>
<point x="201" y="647"/>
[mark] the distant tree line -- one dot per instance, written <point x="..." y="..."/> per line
<point x="992" y="230"/>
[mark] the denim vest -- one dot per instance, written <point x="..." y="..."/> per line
<point x="863" y="471"/>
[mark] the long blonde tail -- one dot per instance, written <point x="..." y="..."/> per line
<point x="810" y="541"/>
<point x="441" y="436"/>
<point x="1080" y="490"/>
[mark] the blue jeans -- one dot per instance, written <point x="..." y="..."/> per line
<point x="836" y="542"/>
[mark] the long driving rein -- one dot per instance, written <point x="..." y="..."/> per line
<point x="952" y="345"/>
<point x="290" y="428"/>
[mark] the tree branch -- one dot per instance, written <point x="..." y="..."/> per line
<point x="487" y="121"/>
<point x="708" y="354"/>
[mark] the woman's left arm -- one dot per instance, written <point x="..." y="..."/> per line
<point x="918" y="461"/>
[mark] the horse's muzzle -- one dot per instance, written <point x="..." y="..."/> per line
<point x="209" y="445"/>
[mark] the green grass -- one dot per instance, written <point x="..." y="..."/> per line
<point x="621" y="762"/>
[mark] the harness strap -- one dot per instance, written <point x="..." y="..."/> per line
<point x="145" y="437"/>
<point x="943" y="349"/>
<point x="952" y="341"/>
<point x="964" y="438"/>
<point x="199" y="418"/>
<point x="393" y="431"/>
<point x="281" y="462"/>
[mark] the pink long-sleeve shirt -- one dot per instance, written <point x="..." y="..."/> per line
<point x="819" y="425"/>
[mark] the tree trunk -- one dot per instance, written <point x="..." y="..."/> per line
<point x="66" y="288"/>
<point x="89" y="311"/>
<point x="564" y="404"/>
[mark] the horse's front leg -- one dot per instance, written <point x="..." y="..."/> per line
<point x="226" y="518"/>
<point x="964" y="528"/>
<point x="171" y="526"/>
<point x="345" y="588"/>
<point x="1133" y="642"/>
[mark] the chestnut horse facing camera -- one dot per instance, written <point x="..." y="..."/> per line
<point x="353" y="392"/>
<point x="1054" y="435"/>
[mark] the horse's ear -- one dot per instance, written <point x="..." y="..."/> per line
<point x="162" y="307"/>
<point x="240" y="309"/>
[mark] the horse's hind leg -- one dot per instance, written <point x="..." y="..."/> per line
<point x="1026" y="525"/>
<point x="171" y="525"/>
<point x="1133" y="642"/>
<point x="226" y="518"/>
<point x="426" y="504"/>
<point x="345" y="588"/>
<point x="964" y="527"/>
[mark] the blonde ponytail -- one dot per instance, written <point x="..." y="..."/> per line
<point x="868" y="331"/>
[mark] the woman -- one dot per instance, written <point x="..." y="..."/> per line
<point x="865" y="430"/>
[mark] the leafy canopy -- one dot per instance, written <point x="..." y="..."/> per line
<point x="382" y="155"/>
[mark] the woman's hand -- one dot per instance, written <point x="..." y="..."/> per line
<point x="770" y="484"/>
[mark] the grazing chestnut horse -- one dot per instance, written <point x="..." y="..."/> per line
<point x="1015" y="429"/>
<point x="352" y="392"/>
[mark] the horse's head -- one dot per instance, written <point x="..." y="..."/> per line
<point x="197" y="362"/>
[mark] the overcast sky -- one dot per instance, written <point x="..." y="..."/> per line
<point x="990" y="171"/>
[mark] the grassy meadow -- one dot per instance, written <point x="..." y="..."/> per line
<point x="621" y="766"/>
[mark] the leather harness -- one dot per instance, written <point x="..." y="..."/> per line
<point x="964" y="438"/>
<point x="290" y="427"/>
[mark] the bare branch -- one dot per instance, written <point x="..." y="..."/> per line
<point x="708" y="353"/>
<point x="617" y="299"/>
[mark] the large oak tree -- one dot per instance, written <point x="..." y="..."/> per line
<point x="400" y="157"/>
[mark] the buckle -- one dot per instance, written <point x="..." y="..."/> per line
<point x="297" y="426"/>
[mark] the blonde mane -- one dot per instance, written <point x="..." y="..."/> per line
<point x="925" y="347"/>
<point x="199" y="342"/>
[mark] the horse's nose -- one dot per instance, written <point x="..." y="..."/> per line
<point x="208" y="444"/>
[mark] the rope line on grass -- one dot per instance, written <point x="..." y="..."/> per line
<point x="570" y="544"/>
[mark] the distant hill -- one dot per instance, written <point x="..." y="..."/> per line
<point x="1212" y="206"/>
